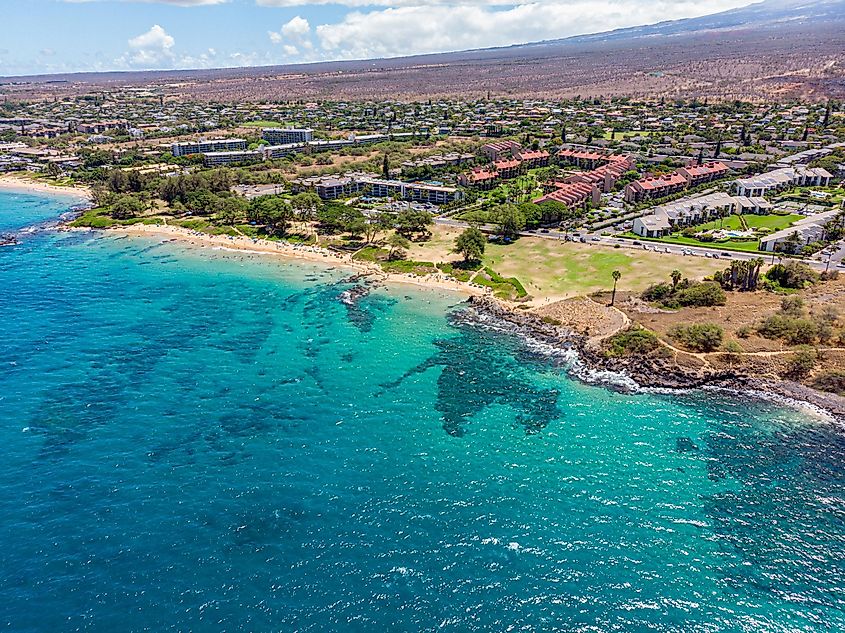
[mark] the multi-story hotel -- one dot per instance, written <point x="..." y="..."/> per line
<point x="286" y="136"/>
<point x="204" y="147"/>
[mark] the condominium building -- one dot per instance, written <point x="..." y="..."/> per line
<point x="778" y="179"/>
<point x="286" y="136"/>
<point x="216" y="159"/>
<point x="655" y="187"/>
<point x="204" y="147"/>
<point x="573" y="195"/>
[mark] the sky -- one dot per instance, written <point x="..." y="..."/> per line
<point x="59" y="36"/>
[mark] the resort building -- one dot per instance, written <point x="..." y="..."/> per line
<point x="500" y="150"/>
<point x="533" y="157"/>
<point x="805" y="231"/>
<point x="604" y="177"/>
<point x="204" y="147"/>
<point x="278" y="151"/>
<point x="655" y="187"/>
<point x="586" y="158"/>
<point x="216" y="159"/>
<point x="573" y="195"/>
<point x="783" y="178"/>
<point x="286" y="136"/>
<point x="333" y="187"/>
<point x="707" y="172"/>
<point x="668" y="218"/>
<point x="482" y="178"/>
<point x="508" y="168"/>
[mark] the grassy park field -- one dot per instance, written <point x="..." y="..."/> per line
<point x="557" y="270"/>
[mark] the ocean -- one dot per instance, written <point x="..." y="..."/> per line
<point x="202" y="440"/>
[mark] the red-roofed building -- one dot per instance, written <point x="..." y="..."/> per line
<point x="480" y="178"/>
<point x="508" y="168"/>
<point x="604" y="177"/>
<point x="533" y="157"/>
<point x="500" y="150"/>
<point x="655" y="187"/>
<point x="707" y="172"/>
<point x="573" y="195"/>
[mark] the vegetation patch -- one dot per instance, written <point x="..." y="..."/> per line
<point x="635" y="341"/>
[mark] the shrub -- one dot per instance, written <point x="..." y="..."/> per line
<point x="832" y="381"/>
<point x="802" y="362"/>
<point x="699" y="337"/>
<point x="657" y="292"/>
<point x="792" y="306"/>
<point x="632" y="342"/>
<point x="744" y="331"/>
<point x="792" y="275"/>
<point x="792" y="330"/>
<point x="702" y="295"/>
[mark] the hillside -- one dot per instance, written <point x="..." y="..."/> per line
<point x="774" y="49"/>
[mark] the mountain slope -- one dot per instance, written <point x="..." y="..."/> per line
<point x="771" y="49"/>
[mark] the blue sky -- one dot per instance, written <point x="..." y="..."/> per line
<point x="46" y="36"/>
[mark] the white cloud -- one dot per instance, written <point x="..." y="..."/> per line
<point x="408" y="30"/>
<point x="150" y="50"/>
<point x="294" y="34"/>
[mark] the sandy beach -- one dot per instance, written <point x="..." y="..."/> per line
<point x="17" y="182"/>
<point x="296" y="251"/>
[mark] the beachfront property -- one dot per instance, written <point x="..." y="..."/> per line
<point x="805" y="231"/>
<point x="286" y="136"/>
<point x="782" y="178"/>
<point x="333" y="187"/>
<point x="204" y="147"/>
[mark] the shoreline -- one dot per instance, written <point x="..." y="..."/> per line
<point x="13" y="182"/>
<point x="631" y="374"/>
<point x="285" y="250"/>
<point x="626" y="374"/>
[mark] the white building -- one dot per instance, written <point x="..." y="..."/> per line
<point x="778" y="179"/>
<point x="808" y="230"/>
<point x="204" y="147"/>
<point x="286" y="136"/>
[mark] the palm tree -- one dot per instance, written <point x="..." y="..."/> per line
<point x="676" y="276"/>
<point x="616" y="276"/>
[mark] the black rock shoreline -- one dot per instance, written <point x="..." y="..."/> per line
<point x="655" y="373"/>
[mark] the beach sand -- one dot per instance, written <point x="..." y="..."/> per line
<point x="17" y="182"/>
<point x="296" y="251"/>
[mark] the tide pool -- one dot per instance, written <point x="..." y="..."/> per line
<point x="200" y="440"/>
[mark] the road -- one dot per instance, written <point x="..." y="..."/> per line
<point x="657" y="247"/>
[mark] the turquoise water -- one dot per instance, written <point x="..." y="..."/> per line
<point x="197" y="440"/>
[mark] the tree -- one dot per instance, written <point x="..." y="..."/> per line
<point x="273" y="212"/>
<point x="398" y="245"/>
<point x="676" y="276"/>
<point x="126" y="207"/>
<point x="471" y="244"/>
<point x="510" y="218"/>
<point x="230" y="210"/>
<point x="411" y="222"/>
<point x="616" y="277"/>
<point x="385" y="168"/>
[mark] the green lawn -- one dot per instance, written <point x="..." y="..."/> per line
<point x="732" y="222"/>
<point x="677" y="238"/>
<point x="556" y="269"/>
<point x="262" y="124"/>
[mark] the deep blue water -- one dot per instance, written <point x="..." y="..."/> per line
<point x="197" y="440"/>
